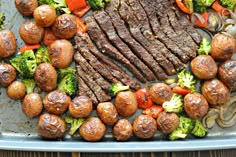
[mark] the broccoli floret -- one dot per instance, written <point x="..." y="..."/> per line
<point x="42" y="55"/>
<point x="187" y="80"/>
<point x="25" y="64"/>
<point x="29" y="84"/>
<point x="175" y="104"/>
<point x="199" y="130"/>
<point x="59" y="5"/>
<point x="69" y="84"/>
<point x="177" y="134"/>
<point x="205" y="47"/>
<point x="229" y="4"/>
<point x="2" y="20"/>
<point x="63" y="72"/>
<point x="201" y="6"/>
<point x="98" y="4"/>
<point x="116" y="88"/>
<point x="75" y="123"/>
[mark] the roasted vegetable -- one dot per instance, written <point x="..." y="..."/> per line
<point x="2" y="20"/>
<point x="29" y="84"/>
<point x="187" y="80"/>
<point x="59" y="5"/>
<point x="175" y="104"/>
<point x="199" y="130"/>
<point x="116" y="88"/>
<point x="98" y="4"/>
<point x="42" y="55"/>
<point x="75" y="123"/>
<point x="200" y="6"/>
<point x="177" y="134"/>
<point x="69" y="84"/>
<point x="189" y="4"/>
<point x="63" y="72"/>
<point x="229" y="4"/>
<point x="205" y="47"/>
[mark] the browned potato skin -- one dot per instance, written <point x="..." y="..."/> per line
<point x="16" y="90"/>
<point x="45" y="15"/>
<point x="215" y="92"/>
<point x="56" y="102"/>
<point x="7" y="43"/>
<point x="32" y="105"/>
<point x="92" y="129"/>
<point x="160" y="93"/>
<point x="107" y="113"/>
<point x="222" y="47"/>
<point x="144" y="126"/>
<point x="31" y="33"/>
<point x="195" y="105"/>
<point x="61" y="53"/>
<point x="81" y="107"/>
<point x="122" y="130"/>
<point x="167" y="122"/>
<point x="46" y="77"/>
<point x="204" y="67"/>
<point x="126" y="103"/>
<point x="7" y="74"/>
<point x="227" y="73"/>
<point x="26" y="7"/>
<point x="51" y="126"/>
<point x="65" y="26"/>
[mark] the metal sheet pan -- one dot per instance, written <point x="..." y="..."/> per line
<point x="18" y="132"/>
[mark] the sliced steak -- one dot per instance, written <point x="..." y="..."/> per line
<point x="104" y="45"/>
<point x="106" y="25"/>
<point x="97" y="90"/>
<point x="142" y="18"/>
<point x="149" y="7"/>
<point x="124" y="34"/>
<point x="84" y="90"/>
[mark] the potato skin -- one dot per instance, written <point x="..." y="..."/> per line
<point x="92" y="129"/>
<point x="31" y="33"/>
<point x="61" y="53"/>
<point x="80" y="107"/>
<point x="222" y="47"/>
<point x="32" y="105"/>
<point x="46" y="77"/>
<point x="167" y="122"/>
<point x="126" y="103"/>
<point x="51" y="126"/>
<point x="7" y="74"/>
<point x="56" y="102"/>
<point x="195" y="105"/>
<point x="122" y="130"/>
<point x="227" y="73"/>
<point x="26" y="7"/>
<point x="215" y="92"/>
<point x="144" y="127"/>
<point x="160" y="93"/>
<point x="107" y="113"/>
<point x="7" y="43"/>
<point x="16" y="90"/>
<point x="65" y="26"/>
<point x="45" y="15"/>
<point x="204" y="67"/>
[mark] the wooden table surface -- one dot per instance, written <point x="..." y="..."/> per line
<point x="212" y="153"/>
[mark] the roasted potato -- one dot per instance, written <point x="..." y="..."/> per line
<point x="107" y="113"/>
<point x="16" y="90"/>
<point x="122" y="130"/>
<point x="167" y="122"/>
<point x="7" y="74"/>
<point x="7" y="43"/>
<point x="26" y="7"/>
<point x="160" y="93"/>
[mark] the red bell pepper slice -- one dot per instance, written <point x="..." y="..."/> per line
<point x="76" y="4"/>
<point x="153" y="111"/>
<point x="143" y="98"/>
<point x="29" y="47"/>
<point x="81" y="12"/>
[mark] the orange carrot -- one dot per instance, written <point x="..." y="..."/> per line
<point x="219" y="8"/>
<point x="197" y="22"/>
<point x="76" y="4"/>
<point x="81" y="27"/>
<point x="29" y="47"/>
<point x="182" y="7"/>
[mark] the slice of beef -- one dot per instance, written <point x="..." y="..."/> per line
<point x="125" y="13"/>
<point x="104" y="45"/>
<point x="142" y="18"/>
<point x="90" y="72"/>
<point x="82" y="46"/>
<point x="124" y="34"/>
<point x="106" y="25"/>
<point x="84" y="90"/>
<point x="97" y="90"/>
<point x="149" y="7"/>
<point x="115" y="70"/>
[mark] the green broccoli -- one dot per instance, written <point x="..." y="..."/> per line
<point x="116" y="88"/>
<point x="59" y="5"/>
<point x="42" y="55"/>
<point x="69" y="84"/>
<point x="63" y="72"/>
<point x="205" y="47"/>
<point x="187" y="80"/>
<point x="199" y="130"/>
<point x="201" y="6"/>
<point x="75" y="123"/>
<point x="229" y="4"/>
<point x="175" y="104"/>
<point x="29" y="84"/>
<point x="177" y="134"/>
<point x="2" y="20"/>
<point x="98" y="4"/>
<point x="25" y="64"/>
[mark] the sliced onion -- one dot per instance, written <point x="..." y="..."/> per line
<point x="231" y="30"/>
<point x="233" y="15"/>
<point x="230" y="22"/>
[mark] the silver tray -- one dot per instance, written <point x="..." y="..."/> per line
<point x="18" y="132"/>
